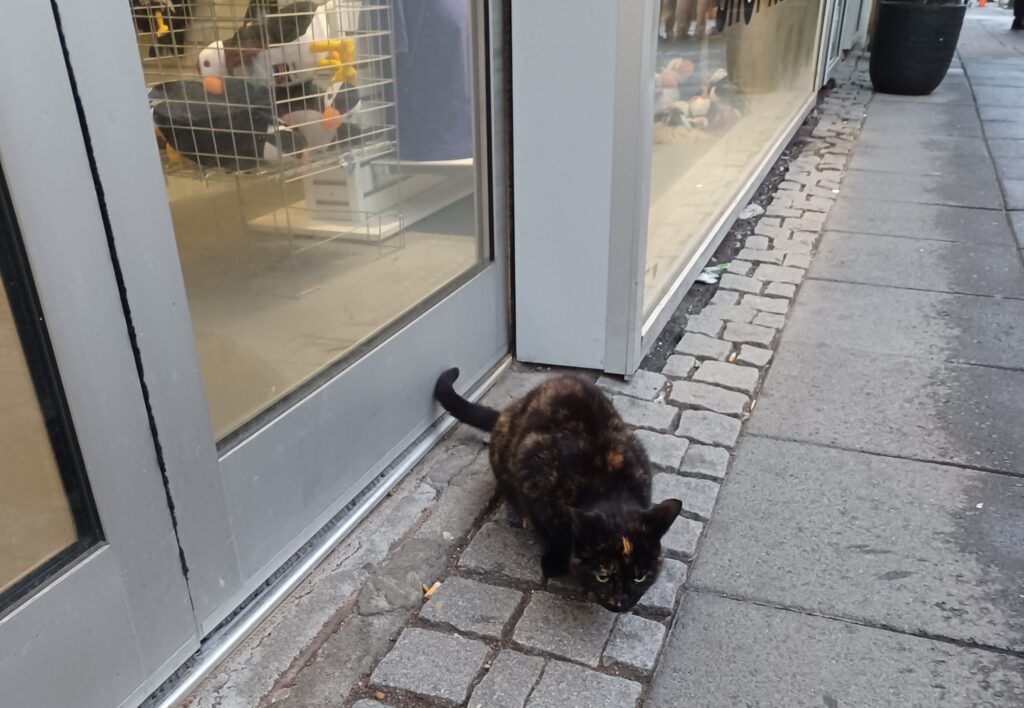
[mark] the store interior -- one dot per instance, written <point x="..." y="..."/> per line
<point x="320" y="171"/>
<point x="724" y="95"/>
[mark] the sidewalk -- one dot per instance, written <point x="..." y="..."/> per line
<point x="866" y="535"/>
<point x="868" y="548"/>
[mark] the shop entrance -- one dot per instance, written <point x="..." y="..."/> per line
<point x="304" y="206"/>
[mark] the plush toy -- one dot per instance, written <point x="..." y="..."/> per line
<point x="233" y="130"/>
<point x="289" y="47"/>
<point x="166" y="21"/>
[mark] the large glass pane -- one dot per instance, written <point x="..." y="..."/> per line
<point x="731" y="76"/>
<point x="35" y="517"/>
<point x="46" y="511"/>
<point x="322" y="169"/>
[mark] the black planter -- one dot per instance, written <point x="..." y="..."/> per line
<point x="913" y="45"/>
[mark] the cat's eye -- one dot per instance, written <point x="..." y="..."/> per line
<point x="640" y="578"/>
<point x="602" y="576"/>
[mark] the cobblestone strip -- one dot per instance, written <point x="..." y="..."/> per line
<point x="492" y="632"/>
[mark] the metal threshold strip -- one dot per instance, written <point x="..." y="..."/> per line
<point x="219" y="645"/>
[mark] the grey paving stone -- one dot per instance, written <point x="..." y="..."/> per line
<point x="704" y="324"/>
<point x="564" y="627"/>
<point x="926" y="189"/>
<point x="709" y="428"/>
<point x="1002" y="129"/>
<point x="706" y="460"/>
<point x="682" y="538"/>
<point x="979" y="269"/>
<point x="761" y="256"/>
<point x="998" y="113"/>
<point x="644" y="384"/>
<point x="791" y="245"/>
<point x="976" y="330"/>
<point x="758" y="243"/>
<point x="1017" y="221"/>
<point x="786" y="290"/>
<point x="733" y="376"/>
<point x="395" y="583"/>
<point x="925" y="221"/>
<point x="766" y="304"/>
<point x="906" y="118"/>
<point x="767" y="319"/>
<point x="508" y="682"/>
<point x="740" y="267"/>
<point x="798" y="260"/>
<point x="660" y="598"/>
<point x="413" y="665"/>
<point x="731" y="313"/>
<point x="717" y="657"/>
<point x="369" y="703"/>
<point x="567" y="684"/>
<point x="895" y="405"/>
<point x="1014" y="193"/>
<point x="664" y="451"/>
<point x="679" y="366"/>
<point x="779" y="274"/>
<point x="499" y="548"/>
<point x="645" y="414"/>
<point x="742" y="283"/>
<point x="725" y="297"/>
<point x="634" y="644"/>
<point x="1004" y="96"/>
<point x="919" y="154"/>
<point x="808" y="237"/>
<point x="754" y="355"/>
<point x="756" y="333"/>
<point x="918" y="547"/>
<point x="697" y="495"/>
<point x="701" y="345"/>
<point x="471" y="606"/>
<point x="712" y="398"/>
<point x="340" y="664"/>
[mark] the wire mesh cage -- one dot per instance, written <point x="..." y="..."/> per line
<point x="280" y="89"/>
<point x="268" y="85"/>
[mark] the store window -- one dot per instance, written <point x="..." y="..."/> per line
<point x="321" y="162"/>
<point x="47" y="517"/>
<point x="731" y="76"/>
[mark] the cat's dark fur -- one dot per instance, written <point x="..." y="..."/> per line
<point x="565" y="459"/>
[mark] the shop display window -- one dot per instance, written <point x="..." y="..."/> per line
<point x="322" y="173"/>
<point x="730" y="78"/>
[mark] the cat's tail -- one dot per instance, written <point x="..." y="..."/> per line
<point x="470" y="413"/>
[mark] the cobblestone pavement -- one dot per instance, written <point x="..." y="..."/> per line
<point x="360" y="631"/>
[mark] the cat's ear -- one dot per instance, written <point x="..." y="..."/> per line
<point x="660" y="516"/>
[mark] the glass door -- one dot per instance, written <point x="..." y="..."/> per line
<point x="308" y="208"/>
<point x="94" y="607"/>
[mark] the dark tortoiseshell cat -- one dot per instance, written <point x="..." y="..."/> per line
<point x="564" y="458"/>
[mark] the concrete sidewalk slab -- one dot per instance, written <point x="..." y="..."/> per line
<point x="915" y="119"/>
<point x="1008" y="96"/>
<point x="959" y="328"/>
<point x="977" y="269"/>
<point x="927" y="221"/>
<point x="919" y="154"/>
<point x="978" y="188"/>
<point x="894" y="405"/>
<point x="917" y="547"/>
<point x="726" y="653"/>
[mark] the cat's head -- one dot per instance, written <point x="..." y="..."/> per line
<point x="617" y="552"/>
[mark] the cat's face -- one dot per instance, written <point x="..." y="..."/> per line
<point x="617" y="557"/>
